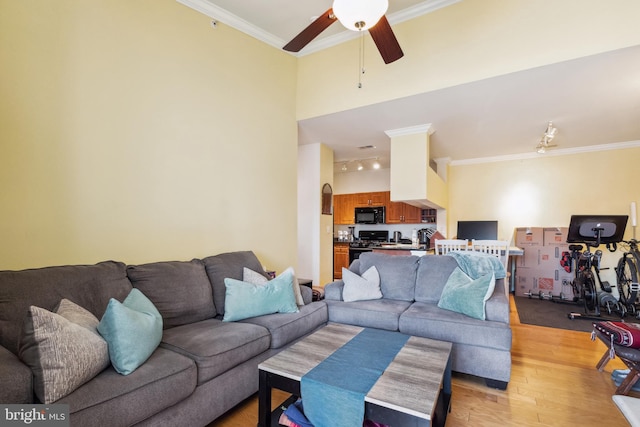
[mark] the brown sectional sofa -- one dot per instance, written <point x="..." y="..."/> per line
<point x="203" y="366"/>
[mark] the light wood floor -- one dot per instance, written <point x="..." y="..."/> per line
<point x="553" y="383"/>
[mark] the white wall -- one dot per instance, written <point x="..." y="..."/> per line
<point x="315" y="231"/>
<point x="361" y="182"/>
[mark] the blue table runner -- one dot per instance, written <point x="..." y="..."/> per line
<point x="333" y="392"/>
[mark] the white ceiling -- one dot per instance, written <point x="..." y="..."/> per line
<point x="592" y="101"/>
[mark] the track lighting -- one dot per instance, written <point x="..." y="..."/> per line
<point x="358" y="164"/>
<point x="547" y="137"/>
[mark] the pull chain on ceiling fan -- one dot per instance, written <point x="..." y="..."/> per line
<point x="355" y="15"/>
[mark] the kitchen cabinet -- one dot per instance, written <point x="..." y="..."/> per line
<point x="398" y="212"/>
<point x="343" y="207"/>
<point x="379" y="198"/>
<point x="429" y="215"/>
<point x="340" y="259"/>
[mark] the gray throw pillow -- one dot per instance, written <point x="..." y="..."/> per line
<point x="256" y="278"/>
<point x="361" y="288"/>
<point x="62" y="349"/>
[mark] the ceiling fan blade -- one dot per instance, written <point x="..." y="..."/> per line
<point x="386" y="41"/>
<point x="311" y="32"/>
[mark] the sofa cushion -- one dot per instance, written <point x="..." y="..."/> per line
<point x="382" y="314"/>
<point x="464" y="295"/>
<point x="361" y="288"/>
<point x="432" y="275"/>
<point x="89" y="286"/>
<point x="133" y="330"/>
<point x="429" y="321"/>
<point x="16" y="379"/>
<point x="63" y="350"/>
<point x="180" y="290"/>
<point x="216" y="346"/>
<point x="397" y="274"/>
<point x="165" y="379"/>
<point x="244" y="300"/>
<point x="286" y="328"/>
<point x="230" y="264"/>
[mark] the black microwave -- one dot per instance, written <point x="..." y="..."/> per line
<point x="373" y="215"/>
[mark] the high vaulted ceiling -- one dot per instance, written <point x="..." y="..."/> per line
<point x="593" y="101"/>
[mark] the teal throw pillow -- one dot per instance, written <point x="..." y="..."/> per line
<point x="133" y="330"/>
<point x="244" y="300"/>
<point x="464" y="295"/>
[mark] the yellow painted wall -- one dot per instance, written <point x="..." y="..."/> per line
<point x="132" y="130"/>
<point x="464" y="42"/>
<point x="544" y="191"/>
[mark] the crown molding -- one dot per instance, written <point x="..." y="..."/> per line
<point x="222" y="15"/>
<point x="550" y="153"/>
<point x="216" y="12"/>
<point x="411" y="130"/>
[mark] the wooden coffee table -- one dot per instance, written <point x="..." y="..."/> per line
<point x="414" y="390"/>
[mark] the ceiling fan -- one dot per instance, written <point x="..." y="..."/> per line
<point x="355" y="15"/>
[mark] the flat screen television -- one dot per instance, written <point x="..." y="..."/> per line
<point x="584" y="228"/>
<point x="479" y="230"/>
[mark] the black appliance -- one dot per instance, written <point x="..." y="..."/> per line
<point x="370" y="215"/>
<point x="367" y="240"/>
<point x="424" y="235"/>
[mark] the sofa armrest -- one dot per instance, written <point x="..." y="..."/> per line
<point x="333" y="290"/>
<point x="497" y="307"/>
<point x="307" y="294"/>
<point x="16" y="379"/>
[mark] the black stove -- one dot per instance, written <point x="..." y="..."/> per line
<point x="367" y="240"/>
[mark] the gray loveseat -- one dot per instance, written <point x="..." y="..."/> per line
<point x="411" y="287"/>
<point x="203" y="366"/>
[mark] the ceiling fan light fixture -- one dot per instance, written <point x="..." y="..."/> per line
<point x="359" y="15"/>
<point x="541" y="148"/>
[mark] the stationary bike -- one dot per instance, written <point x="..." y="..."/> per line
<point x="585" y="289"/>
<point x="594" y="231"/>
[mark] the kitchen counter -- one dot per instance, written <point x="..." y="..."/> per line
<point x="399" y="247"/>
